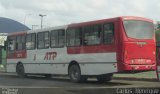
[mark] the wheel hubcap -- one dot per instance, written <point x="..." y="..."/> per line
<point x="75" y="74"/>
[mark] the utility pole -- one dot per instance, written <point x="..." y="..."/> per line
<point x="41" y="15"/>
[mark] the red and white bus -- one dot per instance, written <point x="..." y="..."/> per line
<point x="95" y="48"/>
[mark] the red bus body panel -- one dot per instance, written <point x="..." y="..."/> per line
<point x="126" y="48"/>
<point x="136" y="54"/>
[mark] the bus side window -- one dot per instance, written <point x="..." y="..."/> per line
<point x="30" y="41"/>
<point x="61" y="38"/>
<point x="46" y="39"/>
<point x="108" y="33"/>
<point x="57" y="38"/>
<point x="20" y="42"/>
<point x="11" y="44"/>
<point x="74" y="37"/>
<point x="92" y="35"/>
<point x="43" y="40"/>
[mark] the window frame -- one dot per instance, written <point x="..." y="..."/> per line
<point x="101" y="35"/>
<point x="9" y="38"/>
<point x="43" y="39"/>
<point x="35" y="42"/>
<point x="138" y="21"/>
<point x="21" y="42"/>
<point x="64" y="39"/>
<point x="110" y="23"/>
<point x="81" y="37"/>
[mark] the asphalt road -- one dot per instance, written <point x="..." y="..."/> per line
<point x="62" y="85"/>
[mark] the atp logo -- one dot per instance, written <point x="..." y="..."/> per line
<point x="50" y="55"/>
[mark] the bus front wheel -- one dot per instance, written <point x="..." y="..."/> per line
<point x="20" y="70"/>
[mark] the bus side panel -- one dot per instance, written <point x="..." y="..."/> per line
<point x="10" y="67"/>
<point x="98" y="69"/>
<point x="90" y="64"/>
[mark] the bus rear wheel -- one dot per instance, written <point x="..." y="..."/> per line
<point x="20" y="70"/>
<point x="105" y="77"/>
<point x="75" y="74"/>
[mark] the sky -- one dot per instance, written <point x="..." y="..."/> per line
<point x="61" y="12"/>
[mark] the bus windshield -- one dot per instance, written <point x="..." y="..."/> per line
<point x="139" y="29"/>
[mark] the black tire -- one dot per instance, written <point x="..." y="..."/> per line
<point x="75" y="74"/>
<point x="105" y="77"/>
<point x="48" y="75"/>
<point x="20" y="70"/>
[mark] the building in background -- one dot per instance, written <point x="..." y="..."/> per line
<point x="7" y="26"/>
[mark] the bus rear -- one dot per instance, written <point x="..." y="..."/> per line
<point x="138" y="46"/>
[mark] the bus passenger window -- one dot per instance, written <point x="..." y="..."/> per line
<point x="11" y="44"/>
<point x="92" y="35"/>
<point x="54" y="39"/>
<point x="30" y="41"/>
<point x="61" y="38"/>
<point x="43" y="40"/>
<point x="20" y="42"/>
<point x="108" y="33"/>
<point x="74" y="37"/>
<point x="57" y="38"/>
<point x="46" y="39"/>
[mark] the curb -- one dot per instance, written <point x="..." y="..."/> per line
<point x="135" y="79"/>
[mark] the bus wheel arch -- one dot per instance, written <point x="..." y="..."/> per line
<point x="73" y="63"/>
<point x="20" y="70"/>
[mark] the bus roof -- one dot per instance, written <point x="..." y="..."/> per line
<point x="83" y="24"/>
<point x="136" y="18"/>
<point x="92" y="22"/>
<point x="17" y="33"/>
<point x="37" y="30"/>
<point x="109" y="20"/>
